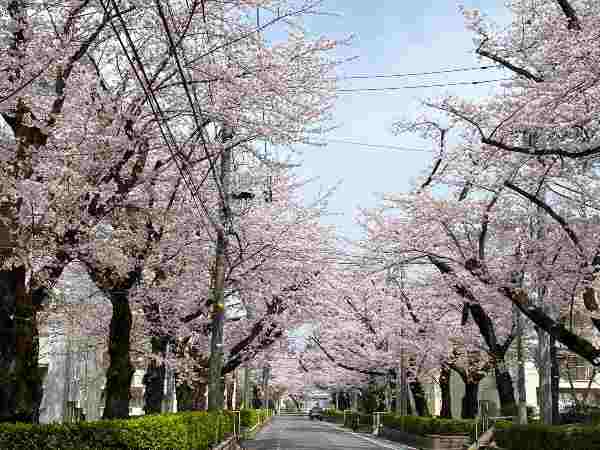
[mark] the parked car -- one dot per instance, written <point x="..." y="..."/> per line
<point x="316" y="413"/>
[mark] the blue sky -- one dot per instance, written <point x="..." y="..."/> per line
<point x="391" y="36"/>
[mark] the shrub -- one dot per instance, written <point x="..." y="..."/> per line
<point x="334" y="414"/>
<point x="188" y="430"/>
<point x="250" y="417"/>
<point x="547" y="437"/>
<point x="428" y="425"/>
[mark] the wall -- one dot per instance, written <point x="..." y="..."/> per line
<point x="487" y="391"/>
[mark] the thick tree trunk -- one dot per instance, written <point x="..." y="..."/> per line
<point x="446" y="410"/>
<point x="420" y="399"/>
<point x="506" y="391"/>
<point x="469" y="402"/>
<point x="185" y="397"/>
<point x="20" y="376"/>
<point x="8" y="343"/>
<point x="120" y="370"/>
<point x="154" y="378"/>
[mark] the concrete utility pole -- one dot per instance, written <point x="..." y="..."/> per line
<point x="246" y="389"/>
<point x="521" y="388"/>
<point x="546" y="401"/>
<point x="265" y="381"/>
<point x="215" y="377"/>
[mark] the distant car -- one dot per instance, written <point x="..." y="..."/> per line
<point x="316" y="413"/>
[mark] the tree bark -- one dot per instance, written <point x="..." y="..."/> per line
<point x="9" y="280"/>
<point x="469" y="402"/>
<point x="506" y="391"/>
<point x="184" y="397"/>
<point x="446" y="411"/>
<point x="420" y="399"/>
<point x="120" y="370"/>
<point x="154" y="378"/>
<point x="20" y="376"/>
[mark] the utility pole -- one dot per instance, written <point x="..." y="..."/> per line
<point x="215" y="369"/>
<point x="521" y="388"/>
<point x="246" y="390"/>
<point x="546" y="401"/>
<point x="402" y="386"/>
<point x="247" y="371"/>
<point x="402" y="393"/>
<point x="266" y="374"/>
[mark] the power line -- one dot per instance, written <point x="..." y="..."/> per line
<point x="381" y="146"/>
<point x="417" y="86"/>
<point x="417" y="74"/>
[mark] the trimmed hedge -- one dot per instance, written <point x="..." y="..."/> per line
<point x="334" y="414"/>
<point x="196" y="430"/>
<point x="428" y="425"/>
<point x="250" y="417"/>
<point x="547" y="437"/>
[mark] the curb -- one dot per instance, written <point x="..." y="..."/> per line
<point x="250" y="433"/>
<point x="228" y="444"/>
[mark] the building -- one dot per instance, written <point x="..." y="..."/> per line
<point x="75" y="365"/>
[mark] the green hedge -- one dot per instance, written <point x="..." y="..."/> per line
<point x="563" y="437"/>
<point x="188" y="430"/>
<point x="250" y="417"/>
<point x="335" y="414"/>
<point x="428" y="425"/>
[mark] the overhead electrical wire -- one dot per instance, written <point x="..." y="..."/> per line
<point x="417" y="86"/>
<point x="417" y="74"/>
<point x="157" y="111"/>
<point x="380" y="146"/>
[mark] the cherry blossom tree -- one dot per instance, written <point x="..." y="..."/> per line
<point x="95" y="117"/>
<point x="426" y="233"/>
<point x="536" y="143"/>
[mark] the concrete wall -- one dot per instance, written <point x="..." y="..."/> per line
<point x="52" y="408"/>
<point x="487" y="391"/>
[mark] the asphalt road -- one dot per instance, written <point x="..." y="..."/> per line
<point x="300" y="433"/>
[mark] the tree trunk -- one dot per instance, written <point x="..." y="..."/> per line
<point x="469" y="402"/>
<point x="20" y="376"/>
<point x="154" y="378"/>
<point x="120" y="370"/>
<point x="420" y="399"/>
<point x="446" y="411"/>
<point x="9" y="280"/>
<point x="506" y="391"/>
<point x="185" y="397"/>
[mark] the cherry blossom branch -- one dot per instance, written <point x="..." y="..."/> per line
<point x="331" y="358"/>
<point x="484" y="226"/>
<point x="571" y="15"/>
<point x="532" y="151"/>
<point x="548" y="209"/>
<point x="504" y="62"/>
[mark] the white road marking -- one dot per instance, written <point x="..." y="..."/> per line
<point x="372" y="441"/>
